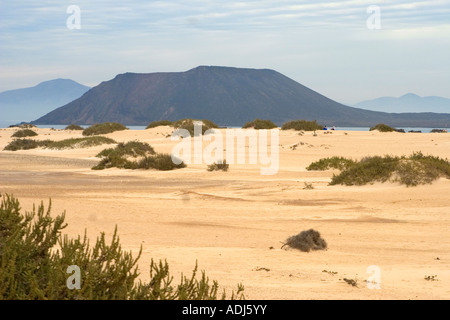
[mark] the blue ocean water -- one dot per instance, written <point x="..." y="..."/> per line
<point x="6" y="124"/>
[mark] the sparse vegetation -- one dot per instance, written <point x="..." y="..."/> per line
<point x="306" y="241"/>
<point x="73" y="127"/>
<point x="410" y="171"/>
<point x="26" y="144"/>
<point x="74" y="143"/>
<point x="23" y="126"/>
<point x="160" y="123"/>
<point x="438" y="131"/>
<point x="135" y="155"/>
<point x="431" y="278"/>
<point x="301" y="125"/>
<point x="188" y="124"/>
<point x="220" y="165"/>
<point x="35" y="256"/>
<point x="308" y="186"/>
<point x="382" y="128"/>
<point x="103" y="128"/>
<point x="340" y="163"/>
<point x="351" y="282"/>
<point x="24" y="133"/>
<point x="260" y="124"/>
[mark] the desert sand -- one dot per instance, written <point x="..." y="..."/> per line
<point x="233" y="223"/>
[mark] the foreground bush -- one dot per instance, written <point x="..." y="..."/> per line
<point x="301" y="125"/>
<point x="410" y="171"/>
<point x="220" y="165"/>
<point x="73" y="127"/>
<point x="382" y="128"/>
<point x="34" y="261"/>
<point x="260" y="124"/>
<point x="306" y="241"/>
<point x="103" y="128"/>
<point x="24" y="133"/>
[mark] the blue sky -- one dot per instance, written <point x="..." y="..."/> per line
<point x="325" y="45"/>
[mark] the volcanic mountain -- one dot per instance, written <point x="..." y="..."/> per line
<point x="228" y="96"/>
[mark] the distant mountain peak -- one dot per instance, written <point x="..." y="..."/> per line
<point x="229" y="96"/>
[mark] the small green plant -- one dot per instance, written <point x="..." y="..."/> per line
<point x="160" y="123"/>
<point x="160" y="161"/>
<point x="73" y="127"/>
<point x="24" y="133"/>
<point x="220" y="165"/>
<point x="260" y="124"/>
<point x="306" y="241"/>
<point x="431" y="278"/>
<point x="351" y="282"/>
<point x="382" y="128"/>
<point x="35" y="256"/>
<point x="301" y="125"/>
<point x="103" y="128"/>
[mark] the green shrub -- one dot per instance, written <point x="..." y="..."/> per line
<point x="410" y="171"/>
<point x="23" y="126"/>
<point x="382" y="128"/>
<point x="73" y="143"/>
<point x="260" y="124"/>
<point x="103" y="128"/>
<point x="73" y="127"/>
<point x="301" y="125"/>
<point x="188" y="124"/>
<point x="34" y="261"/>
<point x="220" y="165"/>
<point x="24" y="133"/>
<point x="306" y="241"/>
<point x="340" y="163"/>
<point x="159" y="161"/>
<point x="159" y="123"/>
<point x="26" y="144"/>
<point x="118" y="157"/>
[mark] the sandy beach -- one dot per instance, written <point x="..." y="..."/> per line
<point x="233" y="223"/>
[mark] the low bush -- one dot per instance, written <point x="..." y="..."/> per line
<point x="159" y="123"/>
<point x="26" y="144"/>
<point x="306" y="241"/>
<point x="382" y="128"/>
<point x="103" y="128"/>
<point x="73" y="127"/>
<point x="301" y="125"/>
<point x="260" y="124"/>
<point x="340" y="163"/>
<point x="23" y="126"/>
<point x="220" y="165"/>
<point x="24" y="133"/>
<point x="135" y="155"/>
<point x="410" y="171"/>
<point x="74" y="143"/>
<point x="159" y="161"/>
<point x="35" y="258"/>
<point x="189" y="125"/>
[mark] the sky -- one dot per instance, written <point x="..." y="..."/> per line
<point x="349" y="51"/>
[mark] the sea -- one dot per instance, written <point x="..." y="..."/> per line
<point x="6" y="124"/>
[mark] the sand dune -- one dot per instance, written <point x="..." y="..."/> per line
<point x="233" y="222"/>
